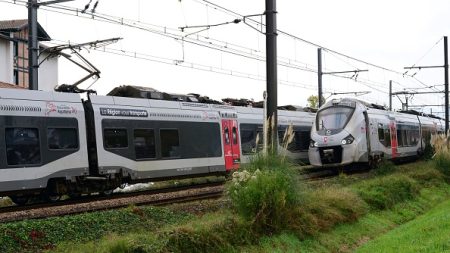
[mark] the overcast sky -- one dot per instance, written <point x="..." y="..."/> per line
<point x="392" y="34"/>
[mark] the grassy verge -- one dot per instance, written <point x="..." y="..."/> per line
<point x="36" y="235"/>
<point x="427" y="233"/>
<point x="348" y="237"/>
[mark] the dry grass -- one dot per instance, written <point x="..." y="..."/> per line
<point x="441" y="158"/>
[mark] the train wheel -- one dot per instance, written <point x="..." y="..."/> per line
<point x="20" y="200"/>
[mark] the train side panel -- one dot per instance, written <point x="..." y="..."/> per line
<point x="146" y="139"/>
<point x="42" y="138"/>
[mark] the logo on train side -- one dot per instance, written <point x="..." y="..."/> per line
<point x="123" y="112"/>
<point x="61" y="109"/>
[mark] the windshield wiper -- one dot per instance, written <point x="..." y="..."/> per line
<point x="323" y="126"/>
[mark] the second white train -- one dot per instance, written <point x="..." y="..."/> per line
<point x="348" y="131"/>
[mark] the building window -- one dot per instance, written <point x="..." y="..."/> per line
<point x="170" y="143"/>
<point x="115" y="138"/>
<point x="144" y="143"/>
<point x="22" y="146"/>
<point x="62" y="138"/>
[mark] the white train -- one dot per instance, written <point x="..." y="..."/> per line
<point x="349" y="131"/>
<point x="53" y="143"/>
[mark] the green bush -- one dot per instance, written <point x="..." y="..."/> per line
<point x="265" y="193"/>
<point x="384" y="192"/>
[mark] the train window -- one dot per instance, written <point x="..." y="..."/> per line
<point x="144" y="143"/>
<point x="170" y="143"/>
<point x="384" y="136"/>
<point x="381" y="135"/>
<point x="300" y="141"/>
<point x="62" y="138"/>
<point x="387" y="137"/>
<point x="333" y="118"/>
<point x="247" y="141"/>
<point x="22" y="146"/>
<point x="234" y="136"/>
<point x="227" y="136"/>
<point x="115" y="138"/>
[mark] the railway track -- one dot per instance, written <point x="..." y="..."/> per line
<point x="156" y="197"/>
<point x="148" y="197"/>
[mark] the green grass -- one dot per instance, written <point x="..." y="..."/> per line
<point x="349" y="236"/>
<point x="428" y="233"/>
<point x="35" y="235"/>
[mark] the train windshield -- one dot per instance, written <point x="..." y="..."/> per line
<point x="333" y="118"/>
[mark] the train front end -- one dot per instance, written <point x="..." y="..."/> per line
<point x="338" y="134"/>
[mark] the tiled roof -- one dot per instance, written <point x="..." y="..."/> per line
<point x="17" y="24"/>
<point x="20" y="24"/>
<point x="10" y="86"/>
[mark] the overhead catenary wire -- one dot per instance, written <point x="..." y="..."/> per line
<point x="234" y="13"/>
<point x="192" y="65"/>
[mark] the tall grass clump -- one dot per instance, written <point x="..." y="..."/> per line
<point x="384" y="167"/>
<point x="265" y="192"/>
<point x="441" y="158"/>
<point x="385" y="192"/>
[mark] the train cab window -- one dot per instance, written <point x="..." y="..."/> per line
<point x="22" y="146"/>
<point x="115" y="138"/>
<point x="144" y="143"/>
<point x="62" y="138"/>
<point x="170" y="143"/>
<point x="234" y="133"/>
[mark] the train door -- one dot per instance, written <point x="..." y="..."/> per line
<point x="368" y="132"/>
<point x="394" y="143"/>
<point x="231" y="144"/>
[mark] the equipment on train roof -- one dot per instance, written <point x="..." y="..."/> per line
<point x="133" y="91"/>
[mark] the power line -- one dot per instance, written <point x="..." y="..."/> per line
<point x="226" y="10"/>
<point x="192" y="65"/>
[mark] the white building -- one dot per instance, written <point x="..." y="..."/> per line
<point x="14" y="56"/>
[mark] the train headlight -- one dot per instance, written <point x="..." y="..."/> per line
<point x="348" y="140"/>
<point x="313" y="144"/>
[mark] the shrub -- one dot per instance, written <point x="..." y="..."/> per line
<point x="384" y="192"/>
<point x="265" y="193"/>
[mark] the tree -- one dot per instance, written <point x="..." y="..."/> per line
<point x="313" y="101"/>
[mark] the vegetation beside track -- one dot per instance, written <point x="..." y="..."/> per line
<point x="427" y="233"/>
<point x="338" y="215"/>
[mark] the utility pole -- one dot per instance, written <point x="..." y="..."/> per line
<point x="33" y="44"/>
<point x="446" y="82"/>
<point x="390" y="95"/>
<point x="271" y="73"/>
<point x="319" y="74"/>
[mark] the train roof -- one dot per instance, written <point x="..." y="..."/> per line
<point x="132" y="91"/>
<point x="36" y="95"/>
<point x="383" y="108"/>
